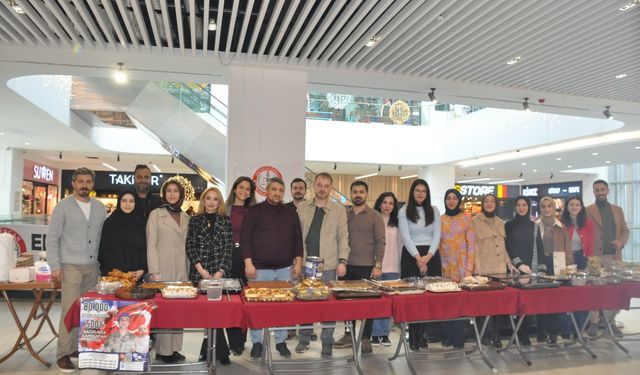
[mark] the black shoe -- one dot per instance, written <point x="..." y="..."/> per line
<point x="384" y="340"/>
<point x="497" y="343"/>
<point x="446" y="343"/>
<point x="313" y="336"/>
<point x="225" y="361"/>
<point x="203" y="351"/>
<point x="237" y="351"/>
<point x="553" y="339"/>
<point x="375" y="341"/>
<point x="423" y="342"/>
<point x="256" y="351"/>
<point x="179" y="356"/>
<point x="167" y="358"/>
<point x="414" y="347"/>
<point x="283" y="350"/>
<point x="524" y="340"/>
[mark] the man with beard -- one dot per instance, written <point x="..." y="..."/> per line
<point x="72" y="252"/>
<point x="367" y="242"/>
<point x="145" y="200"/>
<point x="271" y="241"/>
<point x="298" y="191"/>
<point x="610" y="234"/>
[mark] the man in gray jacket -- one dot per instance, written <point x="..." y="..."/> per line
<point x="72" y="253"/>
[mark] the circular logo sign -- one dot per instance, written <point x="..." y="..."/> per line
<point x="262" y="176"/>
<point x="20" y="244"/>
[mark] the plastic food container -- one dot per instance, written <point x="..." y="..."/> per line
<point x="214" y="292"/>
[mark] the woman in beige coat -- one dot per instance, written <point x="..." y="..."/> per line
<point x="491" y="255"/>
<point x="166" y="256"/>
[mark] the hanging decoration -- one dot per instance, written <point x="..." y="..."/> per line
<point x="339" y="101"/>
<point x="399" y="112"/>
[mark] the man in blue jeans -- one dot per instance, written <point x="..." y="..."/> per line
<point x="271" y="241"/>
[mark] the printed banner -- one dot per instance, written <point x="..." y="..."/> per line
<point x="114" y="335"/>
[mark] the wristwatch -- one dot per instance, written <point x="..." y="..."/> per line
<point x="378" y="266"/>
<point x="342" y="261"/>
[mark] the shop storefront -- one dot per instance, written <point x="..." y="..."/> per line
<point x="558" y="191"/>
<point x="472" y="195"/>
<point x="40" y="186"/>
<point x="108" y="184"/>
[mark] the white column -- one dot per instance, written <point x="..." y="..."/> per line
<point x="11" y="163"/>
<point x="440" y="179"/>
<point x="267" y="119"/>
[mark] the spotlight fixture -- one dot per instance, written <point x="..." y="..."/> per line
<point x="622" y="75"/>
<point x="118" y="158"/>
<point x="379" y="167"/>
<point x="521" y="174"/>
<point x="432" y="96"/>
<point x="409" y="176"/>
<point x="399" y="167"/>
<point x="171" y="159"/>
<point x="365" y="176"/>
<point x="60" y="155"/>
<point x="479" y="173"/>
<point x="607" y="112"/>
<point x="212" y="25"/>
<point x="515" y="60"/>
<point x="373" y="41"/>
<point x="335" y="166"/>
<point x="629" y="5"/>
<point x="551" y="176"/>
<point x="119" y="75"/>
<point x="525" y="105"/>
<point x="16" y="7"/>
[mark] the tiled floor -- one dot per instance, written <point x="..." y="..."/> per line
<point x="610" y="359"/>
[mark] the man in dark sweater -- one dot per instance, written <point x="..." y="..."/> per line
<point x="271" y="241"/>
<point x="145" y="200"/>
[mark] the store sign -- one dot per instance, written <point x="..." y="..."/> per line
<point x="476" y="190"/>
<point x="33" y="171"/>
<point x="129" y="179"/>
<point x="117" y="181"/>
<point x="563" y="189"/>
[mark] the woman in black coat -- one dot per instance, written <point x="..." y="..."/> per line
<point x="123" y="242"/>
<point x="209" y="249"/>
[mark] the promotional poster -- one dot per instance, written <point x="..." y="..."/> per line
<point x="114" y="335"/>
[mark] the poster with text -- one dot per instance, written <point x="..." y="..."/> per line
<point x="114" y="335"/>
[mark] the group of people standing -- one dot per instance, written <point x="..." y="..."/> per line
<point x="246" y="240"/>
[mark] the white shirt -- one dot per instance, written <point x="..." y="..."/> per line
<point x="85" y="207"/>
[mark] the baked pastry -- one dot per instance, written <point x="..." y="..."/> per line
<point x="176" y="291"/>
<point x="443" y="286"/>
<point x="268" y="294"/>
<point x="475" y="280"/>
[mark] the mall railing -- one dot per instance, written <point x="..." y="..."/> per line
<point x="198" y="98"/>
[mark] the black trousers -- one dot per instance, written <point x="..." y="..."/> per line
<point x="236" y="336"/>
<point x="358" y="273"/>
<point x="409" y="268"/>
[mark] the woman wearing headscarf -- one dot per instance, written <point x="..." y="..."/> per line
<point x="122" y="243"/>
<point x="491" y="252"/>
<point x="209" y="248"/>
<point x="554" y="240"/>
<point x="521" y="232"/>
<point x="166" y="255"/>
<point x="457" y="254"/>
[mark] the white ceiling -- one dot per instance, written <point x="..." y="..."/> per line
<point x="571" y="52"/>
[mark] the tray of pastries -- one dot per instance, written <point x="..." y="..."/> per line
<point x="402" y="286"/>
<point x="443" y="287"/>
<point x="351" y="286"/>
<point x="159" y="285"/>
<point x="533" y="282"/>
<point x="135" y="293"/>
<point x="253" y="294"/>
<point x="477" y="283"/>
<point x="179" y="292"/>
<point x="311" y="290"/>
<point x="269" y="284"/>
<point x="127" y="280"/>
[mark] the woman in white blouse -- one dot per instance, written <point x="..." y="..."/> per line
<point x="419" y="224"/>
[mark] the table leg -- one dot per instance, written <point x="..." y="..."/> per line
<point x="44" y="317"/>
<point x="211" y="350"/>
<point x="579" y="336"/>
<point x="266" y="350"/>
<point x="408" y="354"/>
<point x="613" y="337"/>
<point x="514" y="338"/>
<point x="479" y="342"/>
<point x="23" y="337"/>
<point x="402" y="341"/>
<point x="355" y="345"/>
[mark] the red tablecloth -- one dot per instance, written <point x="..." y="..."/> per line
<point x="576" y="298"/>
<point x="442" y="306"/>
<point x="633" y="289"/>
<point x="282" y="314"/>
<point x="180" y="313"/>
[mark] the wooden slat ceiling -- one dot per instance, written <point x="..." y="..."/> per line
<point x="570" y="47"/>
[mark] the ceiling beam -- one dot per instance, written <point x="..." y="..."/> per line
<point x="345" y="14"/>
<point x="17" y="26"/>
<point x="116" y="25"/>
<point x="41" y="24"/>
<point x="322" y="29"/>
<point x="179" y="25"/>
<point x="245" y="25"/>
<point x="59" y="15"/>
<point x="79" y="24"/>
<point x="205" y="27"/>
<point x="151" y="13"/>
<point x="51" y="21"/>
<point x="296" y="29"/>
<point x="308" y="29"/>
<point x="141" y="24"/>
<point x="232" y="27"/>
<point x="272" y="22"/>
<point x="167" y="26"/>
<point x="285" y="25"/>
<point x="258" y="25"/>
<point x="103" y="23"/>
<point x="124" y="13"/>
<point x="192" y="26"/>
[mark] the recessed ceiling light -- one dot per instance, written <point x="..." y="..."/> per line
<point x="212" y="25"/>
<point x="608" y="161"/>
<point x="27" y="143"/>
<point x="524" y="163"/>
<point x="622" y="75"/>
<point x="16" y="7"/>
<point x="569" y="166"/>
<point x="594" y="153"/>
<point x="637" y="147"/>
<point x="373" y="41"/>
<point x="558" y="158"/>
<point x="1" y="133"/>
<point x="515" y="60"/>
<point x="492" y="168"/>
<point x="535" y="170"/>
